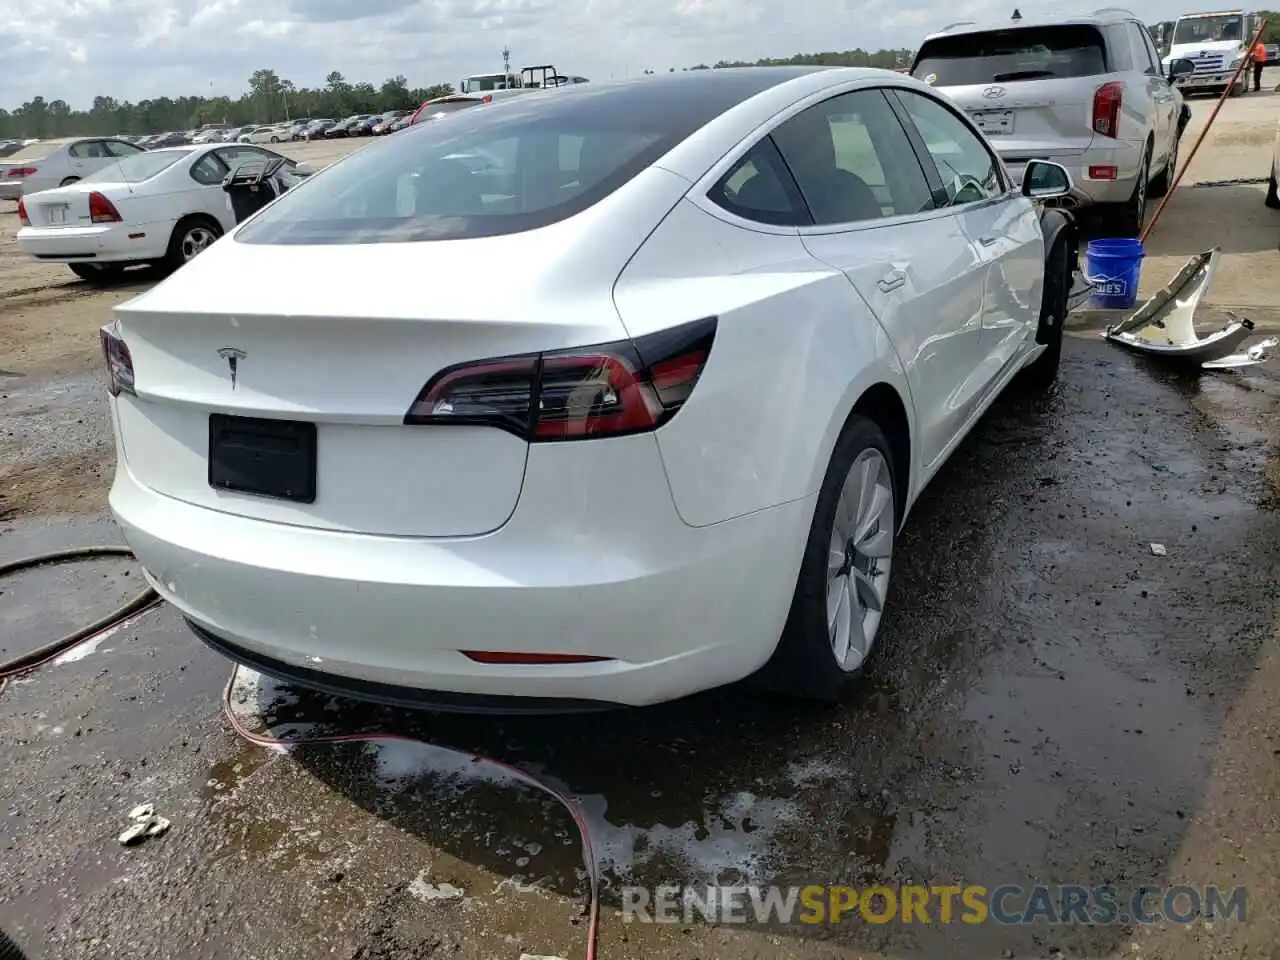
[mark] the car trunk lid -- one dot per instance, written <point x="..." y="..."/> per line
<point x="300" y="335"/>
<point x="69" y="206"/>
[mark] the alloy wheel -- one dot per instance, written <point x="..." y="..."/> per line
<point x="860" y="557"/>
<point x="195" y="241"/>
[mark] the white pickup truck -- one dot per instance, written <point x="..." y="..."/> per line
<point x="1216" y="42"/>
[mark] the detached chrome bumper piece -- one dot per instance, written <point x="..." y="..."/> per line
<point x="1164" y="327"/>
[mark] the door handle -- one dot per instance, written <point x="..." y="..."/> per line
<point x="892" y="280"/>
<point x="988" y="241"/>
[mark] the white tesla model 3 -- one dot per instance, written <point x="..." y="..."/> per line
<point x="661" y="369"/>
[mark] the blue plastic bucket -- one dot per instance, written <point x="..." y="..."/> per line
<point x="1114" y="267"/>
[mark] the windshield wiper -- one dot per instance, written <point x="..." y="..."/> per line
<point x="1021" y="75"/>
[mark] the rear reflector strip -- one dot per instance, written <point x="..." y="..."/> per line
<point x="524" y="658"/>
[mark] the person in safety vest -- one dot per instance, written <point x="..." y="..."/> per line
<point x="1259" y="59"/>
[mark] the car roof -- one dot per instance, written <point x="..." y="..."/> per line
<point x="1100" y="18"/>
<point x="690" y="98"/>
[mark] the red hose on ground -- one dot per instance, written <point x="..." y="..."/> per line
<point x="567" y="801"/>
<point x="149" y="599"/>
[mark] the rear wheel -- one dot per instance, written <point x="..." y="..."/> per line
<point x="844" y="574"/>
<point x="1164" y="180"/>
<point x="191" y="237"/>
<point x="1128" y="218"/>
<point x="1273" y="193"/>
<point x="100" y="273"/>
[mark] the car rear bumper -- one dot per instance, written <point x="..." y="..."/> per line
<point x="10" y="190"/>
<point x="594" y="562"/>
<point x="1089" y="189"/>
<point x="106" y="243"/>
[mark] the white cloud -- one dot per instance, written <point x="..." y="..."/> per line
<point x="136" y="49"/>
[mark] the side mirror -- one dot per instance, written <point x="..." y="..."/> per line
<point x="1181" y="67"/>
<point x="304" y="169"/>
<point x="1045" y="180"/>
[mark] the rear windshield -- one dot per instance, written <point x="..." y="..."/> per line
<point x="136" y="167"/>
<point x="510" y="167"/>
<point x="1003" y="56"/>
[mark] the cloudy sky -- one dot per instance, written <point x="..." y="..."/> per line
<point x="134" y="49"/>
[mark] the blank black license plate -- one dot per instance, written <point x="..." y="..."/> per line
<point x="270" y="458"/>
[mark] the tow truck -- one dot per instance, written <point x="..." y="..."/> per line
<point x="1216" y="42"/>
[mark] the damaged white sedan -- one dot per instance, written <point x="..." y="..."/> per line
<point x="671" y="371"/>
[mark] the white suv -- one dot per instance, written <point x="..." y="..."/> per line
<point x="1085" y="92"/>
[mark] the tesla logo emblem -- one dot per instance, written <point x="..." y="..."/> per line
<point x="993" y="93"/>
<point x="233" y="356"/>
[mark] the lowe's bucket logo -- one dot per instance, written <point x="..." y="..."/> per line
<point x="1111" y="286"/>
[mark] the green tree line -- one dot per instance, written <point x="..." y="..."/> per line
<point x="268" y="99"/>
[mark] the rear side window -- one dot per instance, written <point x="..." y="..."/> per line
<point x="1004" y="56"/>
<point x="500" y="170"/>
<point x="88" y="150"/>
<point x="853" y="160"/>
<point x="760" y="188"/>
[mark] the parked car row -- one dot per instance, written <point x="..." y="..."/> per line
<point x="357" y="125"/>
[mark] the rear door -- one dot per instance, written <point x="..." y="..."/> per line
<point x="1030" y="89"/>
<point x="1004" y="226"/>
<point x="207" y="195"/>
<point x="913" y="265"/>
<point x="1159" y="94"/>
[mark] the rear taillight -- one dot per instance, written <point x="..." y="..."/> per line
<point x="487" y="98"/>
<point x="22" y="171"/>
<point x="102" y="210"/>
<point x="22" y="213"/>
<point x="1107" y="100"/>
<point x="607" y="390"/>
<point x="119" y="363"/>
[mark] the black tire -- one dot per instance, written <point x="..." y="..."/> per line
<point x="182" y="239"/>
<point x="1273" y="193"/>
<point x="1127" y="219"/>
<point x="804" y="664"/>
<point x="1164" y="180"/>
<point x="97" y="273"/>
<point x="70" y="180"/>
<point x="1040" y="375"/>
<point x="9" y="950"/>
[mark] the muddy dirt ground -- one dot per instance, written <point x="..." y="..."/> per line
<point x="1053" y="703"/>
